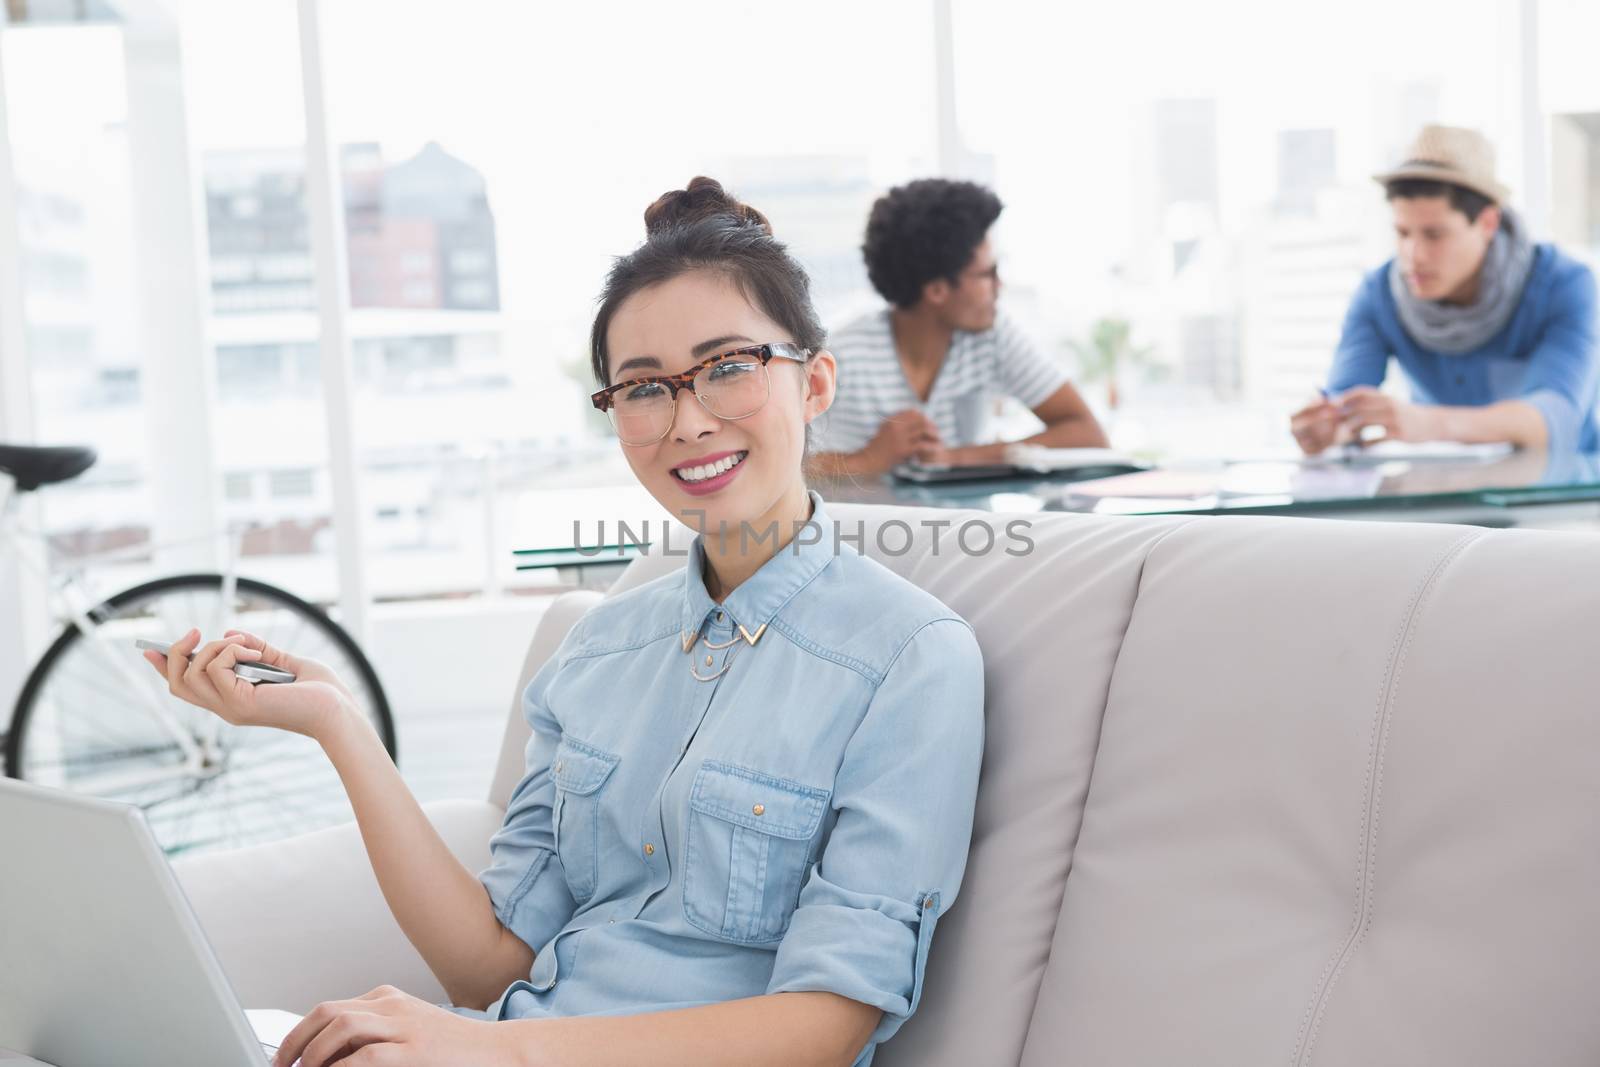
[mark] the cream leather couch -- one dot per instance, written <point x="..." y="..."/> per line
<point x="1256" y="791"/>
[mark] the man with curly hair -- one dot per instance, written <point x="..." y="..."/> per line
<point x="918" y="378"/>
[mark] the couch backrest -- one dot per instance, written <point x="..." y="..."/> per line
<point x="1325" y="791"/>
<point x="1345" y="808"/>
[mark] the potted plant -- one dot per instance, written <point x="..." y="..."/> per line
<point x="1107" y="353"/>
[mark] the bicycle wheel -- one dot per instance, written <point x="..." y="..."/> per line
<point x="90" y="719"/>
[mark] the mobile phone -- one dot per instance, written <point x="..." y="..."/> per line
<point x="250" y="672"/>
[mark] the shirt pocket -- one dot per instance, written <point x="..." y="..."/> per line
<point x="579" y="771"/>
<point x="749" y="842"/>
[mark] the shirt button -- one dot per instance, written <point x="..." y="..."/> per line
<point x="708" y="661"/>
<point x="649" y="850"/>
<point x="559" y="765"/>
<point x="928" y="903"/>
<point x="719" y="616"/>
<point x="760" y="809"/>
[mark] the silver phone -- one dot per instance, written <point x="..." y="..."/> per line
<point x="250" y="672"/>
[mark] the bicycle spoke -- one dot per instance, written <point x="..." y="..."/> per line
<point x="105" y="756"/>
<point x="113" y="697"/>
<point x="86" y="728"/>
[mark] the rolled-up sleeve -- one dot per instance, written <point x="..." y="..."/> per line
<point x="525" y="881"/>
<point x="1564" y="372"/>
<point x="894" y="860"/>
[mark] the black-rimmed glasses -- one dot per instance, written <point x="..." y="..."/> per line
<point x="730" y="385"/>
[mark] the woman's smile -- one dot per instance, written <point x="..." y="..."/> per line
<point x="711" y="473"/>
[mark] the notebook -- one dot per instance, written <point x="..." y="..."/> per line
<point x="1023" y="461"/>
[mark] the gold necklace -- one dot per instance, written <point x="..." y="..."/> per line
<point x="689" y="641"/>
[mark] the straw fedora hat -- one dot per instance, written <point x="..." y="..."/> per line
<point x="1451" y="154"/>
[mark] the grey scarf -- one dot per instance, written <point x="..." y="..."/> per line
<point x="1453" y="329"/>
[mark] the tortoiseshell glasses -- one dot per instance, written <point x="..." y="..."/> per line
<point x="730" y="385"/>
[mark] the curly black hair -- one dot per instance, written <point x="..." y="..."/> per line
<point x="923" y="231"/>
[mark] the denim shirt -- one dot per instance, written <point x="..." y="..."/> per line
<point x="799" y="821"/>
<point x="1545" y="356"/>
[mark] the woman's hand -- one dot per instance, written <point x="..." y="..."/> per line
<point x="204" y="677"/>
<point x="388" y="1028"/>
<point x="304" y="670"/>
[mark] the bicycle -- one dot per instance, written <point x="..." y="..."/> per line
<point x="93" y="717"/>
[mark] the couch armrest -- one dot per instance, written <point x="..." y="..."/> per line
<point x="557" y="619"/>
<point x="302" y="920"/>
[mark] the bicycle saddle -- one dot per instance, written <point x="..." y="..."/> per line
<point x="32" y="467"/>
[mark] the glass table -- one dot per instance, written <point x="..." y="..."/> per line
<point x="1522" y="488"/>
<point x="1499" y="490"/>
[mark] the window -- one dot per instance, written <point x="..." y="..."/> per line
<point x="243" y="87"/>
<point x="65" y="90"/>
<point x="1210" y="183"/>
<point x="518" y="247"/>
<point x="250" y="369"/>
<point x="239" y="486"/>
<point x="299" y="482"/>
<point x="1571" y="102"/>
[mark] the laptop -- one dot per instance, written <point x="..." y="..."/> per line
<point x="102" y="961"/>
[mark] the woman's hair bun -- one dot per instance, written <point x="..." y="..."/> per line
<point x="703" y="199"/>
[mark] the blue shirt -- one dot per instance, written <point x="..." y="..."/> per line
<point x="798" y="822"/>
<point x="1545" y="356"/>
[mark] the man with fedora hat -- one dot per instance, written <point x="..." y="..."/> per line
<point x="1496" y="333"/>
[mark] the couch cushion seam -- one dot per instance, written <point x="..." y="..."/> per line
<point x="1361" y="919"/>
<point x="1088" y="788"/>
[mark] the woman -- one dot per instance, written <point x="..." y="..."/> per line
<point x="749" y="785"/>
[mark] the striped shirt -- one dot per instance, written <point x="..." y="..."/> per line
<point x="978" y="366"/>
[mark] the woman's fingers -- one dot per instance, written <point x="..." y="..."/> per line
<point x="269" y="655"/>
<point x="178" y="661"/>
<point x="203" y="676"/>
<point x="219" y="670"/>
<point x="199" y="678"/>
<point x="301" y="1042"/>
<point x="245" y="638"/>
<point x="348" y="1032"/>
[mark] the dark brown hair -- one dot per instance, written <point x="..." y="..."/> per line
<point x="703" y="228"/>
<point x="1467" y="201"/>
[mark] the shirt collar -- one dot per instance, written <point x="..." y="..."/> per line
<point x="757" y="599"/>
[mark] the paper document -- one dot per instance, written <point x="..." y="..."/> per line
<point x="1042" y="458"/>
<point x="1173" y="484"/>
<point x="1441" y="450"/>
